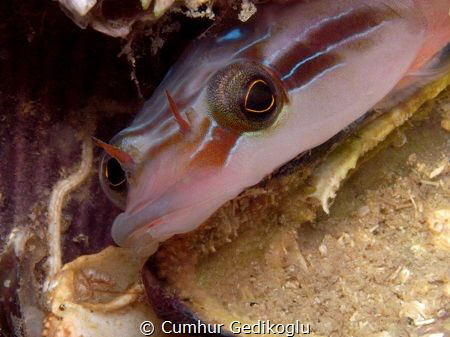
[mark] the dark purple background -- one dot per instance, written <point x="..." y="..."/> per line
<point x="57" y="81"/>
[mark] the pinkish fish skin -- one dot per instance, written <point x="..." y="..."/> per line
<point x="327" y="62"/>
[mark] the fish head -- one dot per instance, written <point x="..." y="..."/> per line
<point x="171" y="169"/>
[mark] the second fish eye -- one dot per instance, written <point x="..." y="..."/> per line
<point x="114" y="174"/>
<point x="113" y="180"/>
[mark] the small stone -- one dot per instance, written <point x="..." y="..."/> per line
<point x="438" y="220"/>
<point x="445" y="124"/>
<point x="323" y="250"/>
<point x="363" y="211"/>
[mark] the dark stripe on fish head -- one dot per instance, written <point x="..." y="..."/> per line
<point x="319" y="52"/>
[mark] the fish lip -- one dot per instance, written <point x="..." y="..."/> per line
<point x="145" y="230"/>
<point x="143" y="233"/>
<point x="165" y="217"/>
<point x="121" y="233"/>
<point x="139" y="228"/>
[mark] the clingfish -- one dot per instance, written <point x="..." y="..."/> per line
<point x="247" y="97"/>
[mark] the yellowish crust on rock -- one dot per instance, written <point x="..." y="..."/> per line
<point x="89" y="12"/>
<point x="328" y="176"/>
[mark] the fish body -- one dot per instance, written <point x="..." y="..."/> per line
<point x="247" y="97"/>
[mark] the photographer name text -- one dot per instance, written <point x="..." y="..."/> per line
<point x="235" y="327"/>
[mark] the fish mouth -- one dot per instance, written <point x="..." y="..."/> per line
<point x="179" y="210"/>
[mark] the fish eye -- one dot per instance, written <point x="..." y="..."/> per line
<point x="245" y="96"/>
<point x="113" y="180"/>
<point x="115" y="174"/>
<point x="259" y="98"/>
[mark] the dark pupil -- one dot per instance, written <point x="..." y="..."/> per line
<point x="114" y="173"/>
<point x="259" y="98"/>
